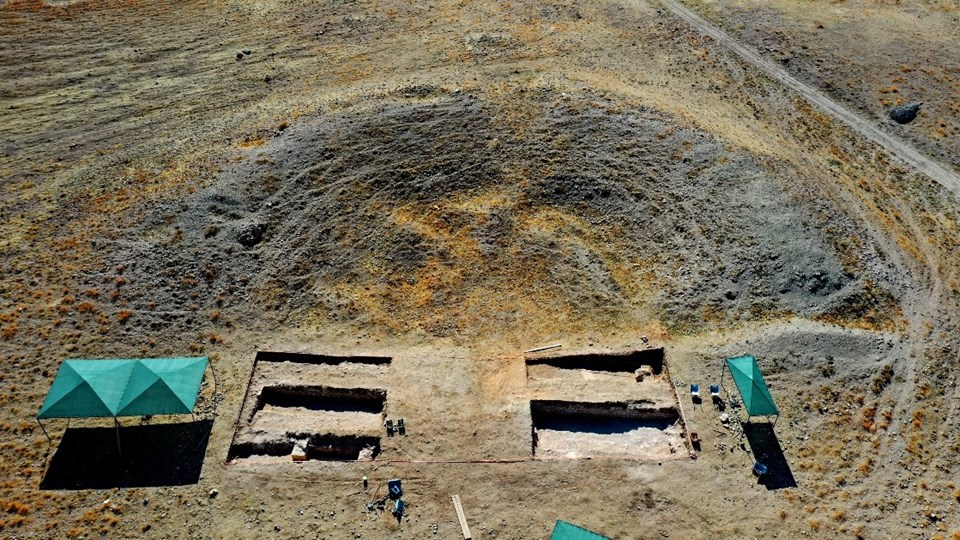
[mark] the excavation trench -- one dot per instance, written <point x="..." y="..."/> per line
<point x="618" y="362"/>
<point x="578" y="430"/>
<point x="312" y="423"/>
<point x="326" y="447"/>
<point x="305" y="358"/>
<point x="321" y="398"/>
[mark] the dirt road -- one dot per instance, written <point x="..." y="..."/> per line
<point x="905" y="152"/>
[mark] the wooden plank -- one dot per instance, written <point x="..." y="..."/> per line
<point x="546" y="348"/>
<point x="461" y="517"/>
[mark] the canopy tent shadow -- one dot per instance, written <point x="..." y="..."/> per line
<point x="153" y="455"/>
<point x="766" y="449"/>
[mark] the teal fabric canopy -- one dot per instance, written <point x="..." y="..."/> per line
<point x="85" y="388"/>
<point x="756" y="396"/>
<point x="568" y="531"/>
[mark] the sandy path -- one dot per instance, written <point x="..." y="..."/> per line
<point x="896" y="147"/>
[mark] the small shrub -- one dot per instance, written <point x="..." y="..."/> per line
<point x="110" y="522"/>
<point x="15" y="521"/>
<point x="882" y="380"/>
<point x="89" y="516"/>
<point x="210" y="273"/>
<point x="9" y="330"/>
<point x="124" y="314"/>
<point x="86" y="307"/>
<point x="14" y="507"/>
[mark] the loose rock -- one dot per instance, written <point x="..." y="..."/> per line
<point x="905" y="114"/>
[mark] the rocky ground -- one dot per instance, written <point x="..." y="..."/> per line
<point x="450" y="184"/>
<point x="871" y="56"/>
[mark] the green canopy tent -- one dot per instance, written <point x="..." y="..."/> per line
<point x="115" y="388"/>
<point x="568" y="531"/>
<point x="753" y="390"/>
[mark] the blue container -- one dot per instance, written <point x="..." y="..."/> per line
<point x="394" y="489"/>
<point x="759" y="469"/>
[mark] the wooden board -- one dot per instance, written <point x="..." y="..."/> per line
<point x="461" y="517"/>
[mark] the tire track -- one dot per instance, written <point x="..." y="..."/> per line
<point x="894" y="146"/>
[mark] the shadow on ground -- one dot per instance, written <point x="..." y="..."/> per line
<point x="766" y="449"/>
<point x="152" y="455"/>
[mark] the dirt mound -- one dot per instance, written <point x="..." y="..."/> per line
<point x="427" y="215"/>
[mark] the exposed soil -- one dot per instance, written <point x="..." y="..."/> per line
<point x="872" y="56"/>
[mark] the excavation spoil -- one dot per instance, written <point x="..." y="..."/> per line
<point x="457" y="216"/>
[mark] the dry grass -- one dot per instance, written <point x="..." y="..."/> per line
<point x="9" y="331"/>
<point x="86" y="307"/>
<point x="14" y="507"/>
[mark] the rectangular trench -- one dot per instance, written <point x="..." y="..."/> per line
<point x="326" y="359"/>
<point x="329" y="423"/>
<point x="580" y="430"/>
<point x="321" y="398"/>
<point x="617" y="362"/>
<point x="324" y="447"/>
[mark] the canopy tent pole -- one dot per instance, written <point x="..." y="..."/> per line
<point x="117" y="424"/>
<point x="49" y="440"/>
<point x="214" y="373"/>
